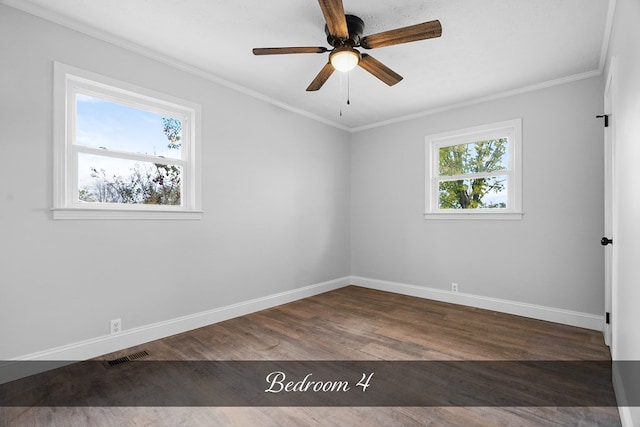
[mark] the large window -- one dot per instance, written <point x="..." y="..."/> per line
<point x="122" y="151"/>
<point x="475" y="173"/>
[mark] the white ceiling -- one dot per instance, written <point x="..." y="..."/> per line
<point x="487" y="47"/>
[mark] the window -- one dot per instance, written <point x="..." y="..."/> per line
<point x="121" y="151"/>
<point x="475" y="173"/>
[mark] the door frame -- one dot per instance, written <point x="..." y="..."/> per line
<point x="609" y="211"/>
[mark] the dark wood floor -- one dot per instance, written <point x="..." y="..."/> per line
<point x="355" y="323"/>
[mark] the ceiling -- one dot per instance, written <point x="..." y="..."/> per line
<point x="487" y="47"/>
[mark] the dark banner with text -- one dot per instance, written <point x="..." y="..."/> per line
<point x="321" y="383"/>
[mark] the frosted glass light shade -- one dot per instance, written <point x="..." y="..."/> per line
<point x="345" y="59"/>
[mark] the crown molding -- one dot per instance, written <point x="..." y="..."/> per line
<point x="72" y="24"/>
<point x="30" y="8"/>
<point x="480" y="100"/>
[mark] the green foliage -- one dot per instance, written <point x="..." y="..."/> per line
<point x="158" y="185"/>
<point x="172" y="128"/>
<point x="477" y="157"/>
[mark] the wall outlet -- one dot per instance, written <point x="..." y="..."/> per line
<point x="116" y="326"/>
<point x="454" y="287"/>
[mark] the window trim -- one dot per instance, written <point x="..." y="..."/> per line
<point x="68" y="81"/>
<point x="512" y="129"/>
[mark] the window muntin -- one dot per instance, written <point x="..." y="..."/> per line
<point x="475" y="172"/>
<point x="122" y="148"/>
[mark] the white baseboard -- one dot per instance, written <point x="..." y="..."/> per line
<point x="98" y="346"/>
<point x="550" y="314"/>
<point x="101" y="345"/>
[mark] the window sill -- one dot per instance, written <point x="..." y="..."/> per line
<point x="510" y="216"/>
<point x="127" y="214"/>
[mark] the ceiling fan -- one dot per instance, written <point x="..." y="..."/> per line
<point x="344" y="34"/>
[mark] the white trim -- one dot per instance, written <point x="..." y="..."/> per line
<point x="549" y="314"/>
<point x="67" y="82"/>
<point x="626" y="417"/>
<point x="608" y="28"/>
<point x="609" y="208"/>
<point x="105" y="344"/>
<point x="512" y="129"/>
<point x="506" y="94"/>
<point x="474" y="215"/>
<point x="103" y="213"/>
<point x="129" y="337"/>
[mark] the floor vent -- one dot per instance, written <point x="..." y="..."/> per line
<point x="126" y="359"/>
<point x="138" y="355"/>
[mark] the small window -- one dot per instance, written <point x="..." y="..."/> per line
<point x="475" y="173"/>
<point x="122" y="151"/>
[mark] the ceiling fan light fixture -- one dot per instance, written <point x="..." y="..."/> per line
<point x="344" y="58"/>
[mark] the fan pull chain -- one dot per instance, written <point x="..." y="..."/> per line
<point x="348" y="73"/>
<point x="348" y="90"/>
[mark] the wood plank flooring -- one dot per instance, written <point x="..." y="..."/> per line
<point x="354" y="323"/>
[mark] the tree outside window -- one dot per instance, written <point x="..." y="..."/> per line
<point x="475" y="173"/>
<point x="123" y="151"/>
<point x="480" y="157"/>
<point x="146" y="183"/>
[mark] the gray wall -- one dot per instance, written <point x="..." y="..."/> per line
<point x="274" y="194"/>
<point x="288" y="202"/>
<point x="551" y="257"/>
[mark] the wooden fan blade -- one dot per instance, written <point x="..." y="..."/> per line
<point x="322" y="77"/>
<point x="426" y="30"/>
<point x="287" y="50"/>
<point x="333" y="11"/>
<point x="379" y="70"/>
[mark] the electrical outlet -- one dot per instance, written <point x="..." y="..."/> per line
<point x="454" y="287"/>
<point x="116" y="326"/>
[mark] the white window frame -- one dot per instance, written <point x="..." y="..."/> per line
<point x="70" y="81"/>
<point x="511" y="129"/>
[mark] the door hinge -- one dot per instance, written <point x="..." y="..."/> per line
<point x="607" y="318"/>
<point x="606" y="119"/>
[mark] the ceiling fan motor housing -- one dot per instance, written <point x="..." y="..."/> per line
<point x="355" y="26"/>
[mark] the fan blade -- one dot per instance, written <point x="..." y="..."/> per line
<point x="333" y="12"/>
<point x="322" y="77"/>
<point x="379" y="70"/>
<point x="426" y="30"/>
<point x="286" y="50"/>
